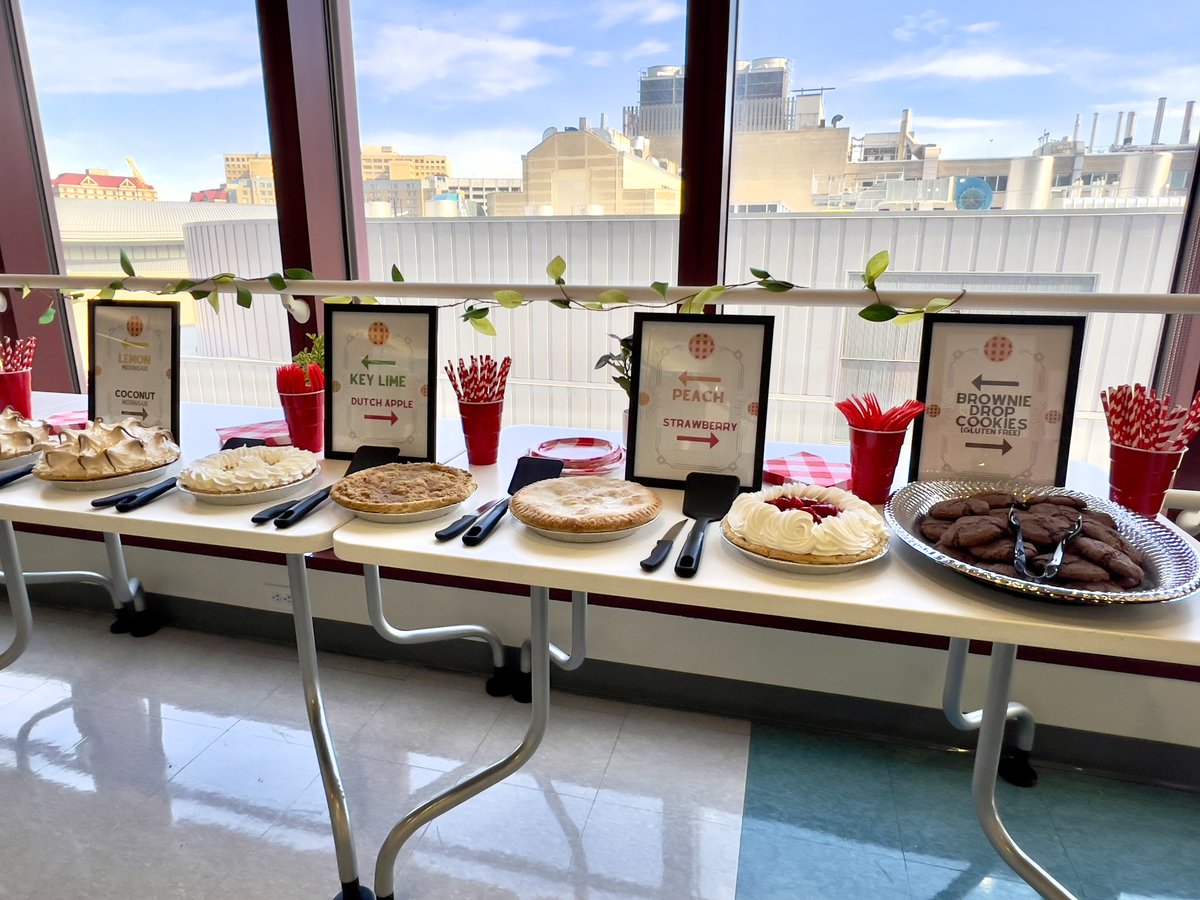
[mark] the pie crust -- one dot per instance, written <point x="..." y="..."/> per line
<point x="404" y="488"/>
<point x="808" y="558"/>
<point x="246" y="470"/>
<point x="585" y="504"/>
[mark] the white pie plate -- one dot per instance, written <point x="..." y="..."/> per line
<point x="796" y="568"/>
<point x="246" y="498"/>
<point x="587" y="537"/>
<point x="116" y="482"/>
<point x="15" y="462"/>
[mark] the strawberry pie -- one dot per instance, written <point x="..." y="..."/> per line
<point x="803" y="523"/>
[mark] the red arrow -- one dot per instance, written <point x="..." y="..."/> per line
<point x="389" y="417"/>
<point x="711" y="440"/>
<point x="685" y="378"/>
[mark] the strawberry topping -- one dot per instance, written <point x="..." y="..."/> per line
<point x="818" y="509"/>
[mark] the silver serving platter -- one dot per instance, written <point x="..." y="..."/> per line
<point x="1172" y="566"/>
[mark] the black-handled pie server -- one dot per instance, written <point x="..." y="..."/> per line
<point x="529" y="470"/>
<point x="706" y="498"/>
<point x="366" y="457"/>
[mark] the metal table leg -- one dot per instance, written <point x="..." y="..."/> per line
<point x="385" y="865"/>
<point x="1014" y="764"/>
<point x="331" y="778"/>
<point x="983" y="780"/>
<point x="18" y="597"/>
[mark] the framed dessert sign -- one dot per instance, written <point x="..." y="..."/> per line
<point x="698" y="398"/>
<point x="380" y="379"/>
<point x="133" y="355"/>
<point x="999" y="395"/>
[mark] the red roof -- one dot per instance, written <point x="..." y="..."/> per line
<point x="108" y="181"/>
<point x="210" y="194"/>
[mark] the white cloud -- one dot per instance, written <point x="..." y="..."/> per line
<point x="400" y="58"/>
<point x="599" y="58"/>
<point x="473" y="153"/>
<point x="647" y="12"/>
<point x="99" y="57"/>
<point x="980" y="27"/>
<point x="646" y="48"/>
<point x="963" y="64"/>
<point x="956" y="123"/>
<point x="928" y="22"/>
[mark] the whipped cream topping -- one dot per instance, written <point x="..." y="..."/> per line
<point x="856" y="529"/>
<point x="18" y="435"/>
<point x="247" y="469"/>
<point x="101" y="450"/>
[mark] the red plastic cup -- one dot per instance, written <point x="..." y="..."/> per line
<point x="16" y="390"/>
<point x="1139" y="479"/>
<point x="873" y="458"/>
<point x="481" y="428"/>
<point x="305" y="417"/>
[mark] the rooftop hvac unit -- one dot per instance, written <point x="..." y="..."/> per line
<point x="971" y="192"/>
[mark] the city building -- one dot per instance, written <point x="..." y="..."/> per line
<point x="210" y="195"/>
<point x="100" y="184"/>
<point x="383" y="162"/>
<point x="594" y="172"/>
<point x="475" y="192"/>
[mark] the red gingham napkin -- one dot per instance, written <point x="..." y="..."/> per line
<point x="805" y="468"/>
<point x="274" y="433"/>
<point x="61" y="421"/>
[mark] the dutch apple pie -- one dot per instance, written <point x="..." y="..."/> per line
<point x="404" y="488"/>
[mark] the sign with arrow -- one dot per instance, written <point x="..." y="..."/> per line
<point x="700" y="390"/>
<point x="999" y="395"/>
<point x="133" y="355"/>
<point x="380" y="379"/>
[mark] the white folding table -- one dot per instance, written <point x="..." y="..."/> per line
<point x="902" y="592"/>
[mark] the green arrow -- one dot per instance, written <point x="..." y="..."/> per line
<point x="367" y="362"/>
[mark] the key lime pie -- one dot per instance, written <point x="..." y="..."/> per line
<point x="248" y="470"/>
<point x="100" y="451"/>
<point x="18" y="435"/>
<point x="803" y="523"/>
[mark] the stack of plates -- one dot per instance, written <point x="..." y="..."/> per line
<point x="582" y="455"/>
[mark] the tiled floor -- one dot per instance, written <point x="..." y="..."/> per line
<point x="180" y="766"/>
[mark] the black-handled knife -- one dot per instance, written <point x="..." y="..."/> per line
<point x="266" y="515"/>
<point x="149" y="495"/>
<point x="15" y="475"/>
<point x="663" y="548"/>
<point x="486" y="523"/>
<point x="458" y="526"/>
<point x="302" y="508"/>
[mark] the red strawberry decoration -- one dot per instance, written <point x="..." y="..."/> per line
<point x="818" y="509"/>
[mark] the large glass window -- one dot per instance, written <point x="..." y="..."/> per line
<point x="982" y="151"/>
<point x="156" y="134"/>
<point x="496" y="137"/>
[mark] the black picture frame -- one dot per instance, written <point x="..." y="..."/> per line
<point x="106" y="375"/>
<point x="350" y="323"/>
<point x="702" y="345"/>
<point x="986" y="457"/>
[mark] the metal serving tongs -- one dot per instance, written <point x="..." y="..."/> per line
<point x="1021" y="564"/>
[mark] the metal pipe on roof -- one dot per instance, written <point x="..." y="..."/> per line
<point x="1117" y="137"/>
<point x="1095" y="124"/>
<point x="1158" y="120"/>
<point x="1185" y="136"/>
<point x="1129" y="126"/>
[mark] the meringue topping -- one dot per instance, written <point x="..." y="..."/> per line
<point x="101" y="450"/>
<point x="19" y="435"/>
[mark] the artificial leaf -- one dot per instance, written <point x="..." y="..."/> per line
<point x="561" y="304"/>
<point x="776" y="287"/>
<point x="199" y="293"/>
<point x="106" y="293"/>
<point x="369" y="301"/>
<point x="904" y="318"/>
<point x="341" y="298"/>
<point x="475" y="312"/>
<point x="224" y="278"/>
<point x="48" y="316"/>
<point x="937" y="304"/>
<point x="556" y="268"/>
<point x="299" y="274"/>
<point x="244" y="297"/>
<point x="696" y="304"/>
<point x="878" y="312"/>
<point x="760" y="273"/>
<point x="612" y="295"/>
<point x="396" y="276"/>
<point x="277" y="281"/>
<point x="604" y="360"/>
<point x="117" y="285"/>
<point x="660" y="288"/>
<point x="623" y="381"/>
<point x="25" y="289"/>
<point x="509" y="299"/>
<point x="126" y="265"/>
<point x="876" y="266"/>
<point x="214" y="300"/>
<point x="484" y="326"/>
<point x="599" y="307"/>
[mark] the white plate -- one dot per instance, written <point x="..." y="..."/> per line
<point x="247" y="498"/>
<point x="420" y="515"/>
<point x="796" y="568"/>
<point x="116" y="482"/>
<point x="587" y="537"/>
<point x="15" y="462"/>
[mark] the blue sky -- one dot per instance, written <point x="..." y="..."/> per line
<point x="176" y="85"/>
